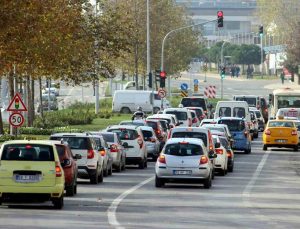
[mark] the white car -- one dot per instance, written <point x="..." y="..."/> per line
<point x="195" y="120"/>
<point x="151" y="141"/>
<point x="183" y="115"/>
<point x="208" y="121"/>
<point x="221" y="162"/>
<point x="172" y="120"/>
<point x="184" y="160"/>
<point x="133" y="143"/>
<point x="53" y="90"/>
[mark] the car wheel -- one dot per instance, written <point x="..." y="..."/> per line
<point x="70" y="190"/>
<point x="296" y="148"/>
<point x="146" y="163"/>
<point x="110" y="171"/>
<point x="100" y="177"/>
<point x="125" y="110"/>
<point x="207" y="182"/>
<point x="230" y="169"/>
<point x="58" y="202"/>
<point x="222" y="172"/>
<point x="213" y="174"/>
<point x="124" y="165"/>
<point x="142" y="164"/>
<point x="247" y="151"/>
<point x="94" y="178"/>
<point x="120" y="167"/>
<point x="106" y="171"/>
<point x="159" y="182"/>
<point x="75" y="188"/>
<point x="265" y="147"/>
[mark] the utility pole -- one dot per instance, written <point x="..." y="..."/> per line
<point x="96" y="65"/>
<point x="222" y="65"/>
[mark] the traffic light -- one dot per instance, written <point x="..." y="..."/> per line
<point x="157" y="75"/>
<point x="163" y="76"/>
<point x="223" y="71"/>
<point x="150" y="80"/>
<point x="220" y="19"/>
<point x="261" y="30"/>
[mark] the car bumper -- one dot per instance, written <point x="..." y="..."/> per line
<point x="219" y="162"/>
<point x="85" y="173"/>
<point x="273" y="141"/>
<point x="133" y="160"/>
<point x="197" y="173"/>
<point x="240" y="144"/>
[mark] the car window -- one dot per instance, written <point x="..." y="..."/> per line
<point x="147" y="134"/>
<point x="60" y="150"/>
<point x="225" y="112"/>
<point x="108" y="137"/>
<point x="27" y="152"/>
<point x="234" y="125"/>
<point x="198" y="112"/>
<point x="224" y="143"/>
<point x="125" y="123"/>
<point x="198" y="135"/>
<point x="281" y="124"/>
<point x="251" y="101"/>
<point x="98" y="142"/>
<point x="125" y="134"/>
<point x="181" y="115"/>
<point x="219" y="129"/>
<point x="74" y="142"/>
<point x="239" y="112"/>
<point x="258" y="115"/>
<point x="193" y="114"/>
<point x="183" y="150"/>
<point x="194" y="102"/>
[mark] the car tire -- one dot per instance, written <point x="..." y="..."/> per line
<point x="124" y="164"/>
<point x="213" y="174"/>
<point x="58" y="203"/>
<point x="110" y="171"/>
<point x="265" y="147"/>
<point x="222" y="172"/>
<point x="125" y="110"/>
<point x="248" y="151"/>
<point x="100" y="177"/>
<point x="119" y="167"/>
<point x="70" y="190"/>
<point x="94" y="179"/>
<point x="159" y="182"/>
<point x="142" y="164"/>
<point x="296" y="148"/>
<point x="146" y="163"/>
<point x="230" y="169"/>
<point x="207" y="182"/>
<point x="256" y="135"/>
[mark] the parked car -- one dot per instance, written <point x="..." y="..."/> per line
<point x="31" y="171"/>
<point x="133" y="143"/>
<point x="68" y="162"/>
<point x="90" y="166"/>
<point x="184" y="160"/>
<point x="116" y="150"/>
<point x="222" y="158"/>
<point x="183" y="115"/>
<point x="151" y="141"/>
<point x="240" y="132"/>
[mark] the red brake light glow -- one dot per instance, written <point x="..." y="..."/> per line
<point x="90" y="154"/>
<point x="294" y="132"/>
<point x="267" y="132"/>
<point x="162" y="159"/>
<point x="114" y="148"/>
<point x="28" y="147"/>
<point x="203" y="160"/>
<point x="229" y="154"/>
<point x="58" y="171"/>
<point x="219" y="151"/>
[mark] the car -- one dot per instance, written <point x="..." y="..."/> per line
<point x="31" y="172"/>
<point x="48" y="99"/>
<point x="199" y="111"/>
<point x="116" y="150"/>
<point x="133" y="143"/>
<point x="159" y="131"/>
<point x="104" y="152"/>
<point x="184" y="160"/>
<point x="240" y="132"/>
<point x="221" y="161"/>
<point x="90" y="166"/>
<point x="53" y="90"/>
<point x="260" y="119"/>
<point x="195" y="120"/>
<point x="151" y="141"/>
<point x="281" y="133"/>
<point x="133" y="122"/>
<point x="171" y="119"/>
<point x="230" y="154"/>
<point x="68" y="162"/>
<point x="196" y="101"/>
<point x="208" y="121"/>
<point x="220" y="128"/>
<point x="183" y="115"/>
<point x="254" y="121"/>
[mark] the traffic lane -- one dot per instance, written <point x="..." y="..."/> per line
<point x="192" y="206"/>
<point x="275" y="196"/>
<point x="87" y="209"/>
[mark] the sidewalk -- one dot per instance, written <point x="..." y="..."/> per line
<point x="287" y="84"/>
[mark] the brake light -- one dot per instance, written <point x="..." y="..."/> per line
<point x="140" y="141"/>
<point x="114" y="148"/>
<point x="266" y="110"/>
<point x="219" y="151"/>
<point x="203" y="160"/>
<point x="195" y="120"/>
<point x="102" y="152"/>
<point x="294" y="132"/>
<point x="183" y="143"/>
<point x="267" y="132"/>
<point x="229" y="154"/>
<point x="90" y="154"/>
<point x="158" y="132"/>
<point x="28" y="147"/>
<point x="58" y="171"/>
<point x="162" y="159"/>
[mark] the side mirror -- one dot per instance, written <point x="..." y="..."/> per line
<point x="217" y="145"/>
<point x="125" y="145"/>
<point x="65" y="163"/>
<point x="211" y="156"/>
<point x="77" y="156"/>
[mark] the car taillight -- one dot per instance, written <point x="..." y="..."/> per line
<point x="58" y="171"/>
<point x="294" y="132"/>
<point x="229" y="154"/>
<point x="158" y="132"/>
<point x="140" y="142"/>
<point x="162" y="159"/>
<point x="114" y="148"/>
<point x="203" y="160"/>
<point x="90" y="154"/>
<point x="202" y="116"/>
<point x="219" y="151"/>
<point x="267" y="132"/>
<point x="102" y="152"/>
<point x="266" y="110"/>
<point x="195" y="120"/>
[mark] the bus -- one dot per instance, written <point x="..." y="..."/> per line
<point x="283" y="98"/>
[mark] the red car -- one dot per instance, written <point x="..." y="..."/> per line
<point x="68" y="162"/>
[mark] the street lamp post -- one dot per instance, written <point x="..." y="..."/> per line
<point x="96" y="66"/>
<point x="163" y="46"/>
<point x="222" y="65"/>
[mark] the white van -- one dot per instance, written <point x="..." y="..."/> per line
<point x="127" y="101"/>
<point x="183" y="115"/>
<point x="252" y="100"/>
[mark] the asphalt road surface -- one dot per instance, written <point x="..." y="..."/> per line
<point x="262" y="192"/>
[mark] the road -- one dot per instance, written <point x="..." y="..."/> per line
<point x="262" y="192"/>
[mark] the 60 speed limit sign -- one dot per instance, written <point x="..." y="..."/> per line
<point x="16" y="119"/>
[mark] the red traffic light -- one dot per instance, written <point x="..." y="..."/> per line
<point x="163" y="74"/>
<point x="220" y="14"/>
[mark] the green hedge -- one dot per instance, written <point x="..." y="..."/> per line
<point x="41" y="131"/>
<point x="7" y="137"/>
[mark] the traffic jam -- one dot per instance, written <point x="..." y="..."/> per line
<point x="189" y="144"/>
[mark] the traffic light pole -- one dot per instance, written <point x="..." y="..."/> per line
<point x="222" y="65"/>
<point x="163" y="47"/>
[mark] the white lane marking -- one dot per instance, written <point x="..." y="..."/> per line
<point x="111" y="212"/>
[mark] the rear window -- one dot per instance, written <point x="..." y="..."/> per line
<point x="163" y="124"/>
<point x="125" y="134"/>
<point x="27" y="152"/>
<point x="194" y="102"/>
<point x="234" y="125"/>
<point x="198" y="135"/>
<point x="239" y="112"/>
<point x="219" y="129"/>
<point x="74" y="142"/>
<point x="108" y="137"/>
<point x="129" y="123"/>
<point x="224" y="143"/>
<point x="198" y="112"/>
<point x="179" y="114"/>
<point x="147" y="134"/>
<point x="225" y="112"/>
<point x="183" y="150"/>
<point x="281" y="124"/>
<point x="258" y="115"/>
<point x="251" y="101"/>
<point x="98" y="142"/>
<point x="61" y="150"/>
<point x="152" y="124"/>
<point x="193" y="115"/>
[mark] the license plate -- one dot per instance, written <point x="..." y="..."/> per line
<point x="27" y="178"/>
<point x="280" y="140"/>
<point x="182" y="172"/>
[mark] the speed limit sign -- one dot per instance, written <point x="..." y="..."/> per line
<point x="16" y="119"/>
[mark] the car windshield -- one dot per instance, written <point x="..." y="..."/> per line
<point x="234" y="125"/>
<point x="130" y="123"/>
<point x="152" y="124"/>
<point x="224" y="143"/>
<point x="198" y="112"/>
<point x="198" y="135"/>
<point x="288" y="101"/>
<point x="183" y="150"/>
<point x="251" y="101"/>
<point x="194" y="102"/>
<point x="225" y="112"/>
<point x="219" y="129"/>
<point x="281" y="124"/>
<point x="74" y="142"/>
<point x="27" y="152"/>
<point x="258" y="115"/>
<point x="147" y="134"/>
<point x="125" y="134"/>
<point x="108" y="137"/>
<point x="181" y="115"/>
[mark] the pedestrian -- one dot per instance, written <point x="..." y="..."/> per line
<point x="232" y="71"/>
<point x="237" y="71"/>
<point x="251" y="71"/>
<point x="248" y="71"/>
<point x="282" y="77"/>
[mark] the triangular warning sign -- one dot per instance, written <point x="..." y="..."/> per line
<point x="16" y="104"/>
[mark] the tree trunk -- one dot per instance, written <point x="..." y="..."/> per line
<point x="40" y="96"/>
<point x="32" y="100"/>
<point x="11" y="94"/>
<point x="1" y="124"/>
<point x="29" y="117"/>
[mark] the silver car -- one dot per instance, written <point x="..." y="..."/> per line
<point x="184" y="160"/>
<point x="151" y="141"/>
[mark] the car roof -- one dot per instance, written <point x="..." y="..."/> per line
<point x="189" y="140"/>
<point x="71" y="135"/>
<point x="41" y="142"/>
<point x="176" y="109"/>
<point x="213" y="125"/>
<point x="149" y="128"/>
<point x="133" y="121"/>
<point x="232" y="118"/>
<point x="166" y="116"/>
<point x="196" y="108"/>
<point x="130" y="127"/>
<point x="186" y="129"/>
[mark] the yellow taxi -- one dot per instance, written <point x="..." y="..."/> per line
<point x="280" y="133"/>
<point x="31" y="172"/>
